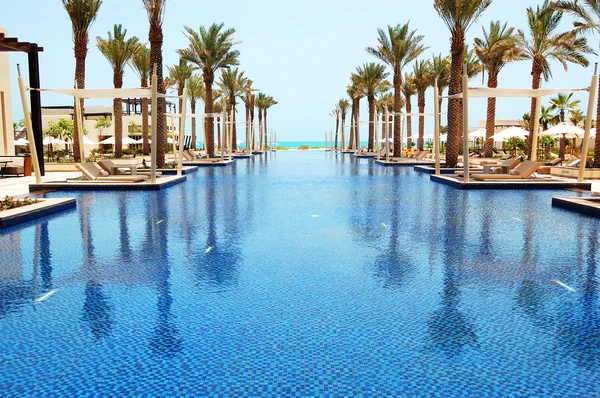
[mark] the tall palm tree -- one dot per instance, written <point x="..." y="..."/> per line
<point x="386" y="101"/>
<point x="355" y="92"/>
<point x="210" y="49"/>
<point x="545" y="44"/>
<point x="269" y="102"/>
<point x="248" y="98"/>
<point x="180" y="73"/>
<point x="82" y="13"/>
<point x="118" y="50"/>
<point x="155" y="9"/>
<point x="459" y="16"/>
<point x="587" y="13"/>
<point x="372" y="77"/>
<point x="397" y="47"/>
<point x="195" y="92"/>
<point x="140" y="63"/>
<point x="233" y="84"/>
<point x="563" y="103"/>
<point x="335" y="113"/>
<point x="422" y="81"/>
<point x="261" y="103"/>
<point x="343" y="106"/>
<point x="408" y="89"/>
<point x="500" y="45"/>
<point x="440" y="70"/>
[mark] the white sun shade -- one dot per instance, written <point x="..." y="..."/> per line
<point x="565" y="128"/>
<point x="479" y="133"/>
<point x="511" y="132"/>
<point x="50" y="140"/>
<point x="111" y="141"/>
<point x="21" y="141"/>
<point x="484" y="92"/>
<point x="105" y="92"/>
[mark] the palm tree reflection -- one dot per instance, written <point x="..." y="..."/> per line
<point x="449" y="328"/>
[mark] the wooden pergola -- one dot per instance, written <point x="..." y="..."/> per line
<point x="12" y="44"/>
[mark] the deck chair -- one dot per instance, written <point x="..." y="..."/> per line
<point x="522" y="172"/>
<point x="421" y="155"/>
<point x="510" y="163"/>
<point x="112" y="168"/>
<point x="555" y="162"/>
<point x="94" y="173"/>
<point x="188" y="156"/>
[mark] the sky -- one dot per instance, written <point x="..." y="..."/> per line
<point x="302" y="53"/>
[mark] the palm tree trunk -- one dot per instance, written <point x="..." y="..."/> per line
<point x="193" y="108"/>
<point x="421" y="101"/>
<point x="252" y="122"/>
<point x="357" y="125"/>
<point x="397" y="109"/>
<point x="352" y="134"/>
<point x="408" y="124"/>
<point x="536" y="73"/>
<point x="265" y="129"/>
<point x="337" y="128"/>
<point x="455" y="105"/>
<point x="218" y="135"/>
<point x="118" y="112"/>
<point x="80" y="56"/>
<point x="490" y="123"/>
<point x="210" y="121"/>
<point x="155" y="36"/>
<point x="596" y="162"/>
<point x="260" y="136"/>
<point x="371" y="100"/>
<point x="234" y="126"/>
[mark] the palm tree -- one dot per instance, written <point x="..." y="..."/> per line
<point x="195" y="92"/>
<point x="248" y="98"/>
<point x="233" y="84"/>
<point x="343" y="106"/>
<point x="118" y="50"/>
<point x="261" y="100"/>
<point x="155" y="9"/>
<point x="499" y="46"/>
<point x="372" y="78"/>
<point x="546" y="44"/>
<point x="408" y="89"/>
<point x="440" y="70"/>
<point x="355" y="92"/>
<point x="140" y="63"/>
<point x="398" y="47"/>
<point x="422" y="81"/>
<point x="587" y="13"/>
<point x="210" y="50"/>
<point x="563" y="103"/>
<point x="335" y="113"/>
<point x="459" y="16"/>
<point x="180" y="73"/>
<point x="386" y="101"/>
<point x="269" y="102"/>
<point x="82" y="13"/>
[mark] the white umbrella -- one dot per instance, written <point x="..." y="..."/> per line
<point x="443" y="137"/>
<point x="50" y="140"/>
<point x="511" y="132"/>
<point x="141" y="141"/>
<point x="479" y="133"/>
<point x="111" y="141"/>
<point x="87" y="141"/>
<point x="21" y="141"/>
<point x="389" y="140"/>
<point x="568" y="129"/>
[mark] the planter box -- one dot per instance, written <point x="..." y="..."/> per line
<point x="45" y="207"/>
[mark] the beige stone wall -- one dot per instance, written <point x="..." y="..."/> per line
<point x="6" y="118"/>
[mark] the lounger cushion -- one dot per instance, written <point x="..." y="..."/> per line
<point x="514" y="172"/>
<point x="495" y="170"/>
<point x="103" y="173"/>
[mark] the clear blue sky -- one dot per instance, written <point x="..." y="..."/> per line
<point x="302" y="53"/>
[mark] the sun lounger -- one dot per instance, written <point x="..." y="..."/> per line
<point x="187" y="156"/>
<point x="112" y="168"/>
<point x="94" y="173"/>
<point x="508" y="165"/>
<point x="421" y="155"/>
<point x="522" y="172"/>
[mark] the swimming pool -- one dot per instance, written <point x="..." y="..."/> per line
<point x="302" y="274"/>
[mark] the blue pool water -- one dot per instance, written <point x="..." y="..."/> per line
<point x="302" y="274"/>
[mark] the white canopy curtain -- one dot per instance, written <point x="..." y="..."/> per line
<point x="150" y="92"/>
<point x="522" y="93"/>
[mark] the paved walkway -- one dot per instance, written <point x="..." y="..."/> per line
<point x="17" y="186"/>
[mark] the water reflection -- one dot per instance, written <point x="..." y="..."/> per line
<point x="450" y="329"/>
<point x="97" y="310"/>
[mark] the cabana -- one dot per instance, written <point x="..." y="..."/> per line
<point x="518" y="93"/>
<point x="151" y="92"/>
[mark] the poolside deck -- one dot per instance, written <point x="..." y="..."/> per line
<point x="589" y="206"/>
<point x="81" y="185"/>
<point x="242" y="155"/>
<point x="207" y="163"/>
<point x="431" y="170"/>
<point x="404" y="162"/>
<point x="365" y="155"/>
<point x="538" y="183"/>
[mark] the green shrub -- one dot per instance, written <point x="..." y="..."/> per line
<point x="281" y="148"/>
<point x="12" y="203"/>
<point x="303" y="147"/>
